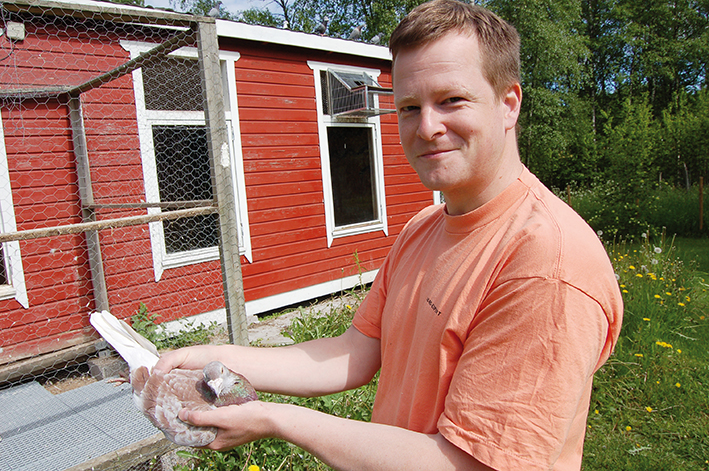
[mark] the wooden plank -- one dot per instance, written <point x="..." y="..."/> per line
<point x="127" y="457"/>
<point x="104" y="224"/>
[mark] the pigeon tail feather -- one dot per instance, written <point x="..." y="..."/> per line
<point x="135" y="349"/>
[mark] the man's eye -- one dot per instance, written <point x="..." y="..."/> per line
<point x="454" y="99"/>
<point x="408" y="109"/>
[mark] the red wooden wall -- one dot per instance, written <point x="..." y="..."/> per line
<point x="277" y="110"/>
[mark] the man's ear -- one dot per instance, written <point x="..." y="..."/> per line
<point x="513" y="103"/>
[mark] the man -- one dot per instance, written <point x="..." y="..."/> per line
<point x="489" y="316"/>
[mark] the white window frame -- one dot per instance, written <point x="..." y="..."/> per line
<point x="16" y="287"/>
<point x="325" y="121"/>
<point x="147" y="118"/>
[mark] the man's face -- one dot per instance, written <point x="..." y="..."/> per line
<point x="453" y="129"/>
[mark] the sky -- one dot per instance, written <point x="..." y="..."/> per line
<point x="234" y="6"/>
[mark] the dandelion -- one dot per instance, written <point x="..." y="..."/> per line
<point x="631" y="267"/>
<point x="654" y="261"/>
<point x="679" y="351"/>
<point x="701" y="318"/>
<point x="687" y="298"/>
<point x="628" y="428"/>
<point x="680" y="304"/>
<point x="663" y="344"/>
<point x="639" y="275"/>
<point x="668" y="293"/>
<point x="599" y="232"/>
<point x="646" y="319"/>
<point x="648" y="408"/>
<point x="348" y="307"/>
<point x="596" y="411"/>
<point x="253" y="467"/>
<point x="678" y="385"/>
<point x="657" y="296"/>
<point x="625" y="291"/>
<point x="639" y="355"/>
<point x="644" y="235"/>
<point x="657" y="250"/>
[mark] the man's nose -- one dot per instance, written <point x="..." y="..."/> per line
<point x="431" y="124"/>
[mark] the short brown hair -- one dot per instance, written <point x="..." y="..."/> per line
<point x="498" y="40"/>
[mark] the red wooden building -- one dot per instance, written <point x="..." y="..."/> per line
<point x="322" y="185"/>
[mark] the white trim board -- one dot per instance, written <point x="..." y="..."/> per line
<point x="271" y="303"/>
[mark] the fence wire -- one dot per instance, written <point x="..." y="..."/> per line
<point x="109" y="198"/>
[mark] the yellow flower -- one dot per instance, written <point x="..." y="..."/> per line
<point x="596" y="411"/>
<point x="628" y="428"/>
<point x="668" y="293"/>
<point x="646" y="319"/>
<point x="348" y="307"/>
<point x="639" y="275"/>
<point x="648" y="408"/>
<point x="625" y="291"/>
<point x="701" y="318"/>
<point x="679" y="351"/>
<point x="663" y="344"/>
<point x="631" y="267"/>
<point x="639" y="355"/>
<point x="678" y="385"/>
<point x="680" y="304"/>
<point x="622" y="286"/>
<point x="657" y="296"/>
<point x="253" y="467"/>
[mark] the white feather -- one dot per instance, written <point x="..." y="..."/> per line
<point x="135" y="349"/>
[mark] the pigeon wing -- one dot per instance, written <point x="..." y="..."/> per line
<point x="164" y="395"/>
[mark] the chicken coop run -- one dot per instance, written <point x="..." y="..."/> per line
<point x="79" y="204"/>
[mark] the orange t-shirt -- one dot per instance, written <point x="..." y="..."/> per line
<point x="491" y="327"/>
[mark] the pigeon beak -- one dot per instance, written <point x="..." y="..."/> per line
<point x="216" y="384"/>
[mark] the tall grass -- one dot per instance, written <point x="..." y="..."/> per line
<point x="618" y="211"/>
<point x="650" y="404"/>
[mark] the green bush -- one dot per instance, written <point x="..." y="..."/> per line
<point x="629" y="211"/>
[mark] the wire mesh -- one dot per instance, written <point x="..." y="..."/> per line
<point x="107" y="196"/>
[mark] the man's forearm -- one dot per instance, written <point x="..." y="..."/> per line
<point x="352" y="445"/>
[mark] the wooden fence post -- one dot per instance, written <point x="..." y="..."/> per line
<point x="208" y="49"/>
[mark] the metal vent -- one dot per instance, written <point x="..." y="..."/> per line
<point x="352" y="94"/>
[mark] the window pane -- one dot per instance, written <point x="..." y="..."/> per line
<point x="3" y="274"/>
<point x="184" y="174"/>
<point x="351" y="172"/>
<point x="173" y="83"/>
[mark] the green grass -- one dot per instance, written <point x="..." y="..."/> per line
<point x="650" y="402"/>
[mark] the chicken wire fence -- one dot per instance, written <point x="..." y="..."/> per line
<point x="116" y="191"/>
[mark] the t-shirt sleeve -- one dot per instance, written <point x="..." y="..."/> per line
<point x="524" y="376"/>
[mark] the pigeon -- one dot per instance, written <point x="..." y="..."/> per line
<point x="356" y="33"/>
<point x="321" y="28"/>
<point x="160" y="396"/>
<point x="214" y="12"/>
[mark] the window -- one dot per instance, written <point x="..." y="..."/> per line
<point x="350" y="150"/>
<point x="12" y="277"/>
<point x="176" y="167"/>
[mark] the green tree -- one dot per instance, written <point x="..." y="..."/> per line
<point x="552" y="53"/>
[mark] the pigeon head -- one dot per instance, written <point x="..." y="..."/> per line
<point x="217" y="377"/>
